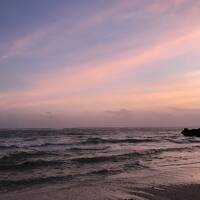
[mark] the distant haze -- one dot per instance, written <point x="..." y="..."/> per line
<point x="99" y="63"/>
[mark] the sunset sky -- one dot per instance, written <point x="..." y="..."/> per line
<point x="66" y="63"/>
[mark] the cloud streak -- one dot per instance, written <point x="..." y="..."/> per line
<point x="89" y="76"/>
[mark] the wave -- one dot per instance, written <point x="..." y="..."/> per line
<point x="49" y="144"/>
<point x="34" y="145"/>
<point x="125" y="156"/>
<point x="131" y="140"/>
<point x="184" y="141"/>
<point x="21" y="160"/>
<point x="27" y="165"/>
<point x="174" y="149"/>
<point x="8" y="147"/>
<point x="104" y="172"/>
<point x="88" y="149"/>
<point x="97" y="140"/>
<point x="134" y="165"/>
<point x="6" y="185"/>
<point x="21" y="155"/>
<point x="113" y="158"/>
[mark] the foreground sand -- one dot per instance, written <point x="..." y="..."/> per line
<point x="173" y="192"/>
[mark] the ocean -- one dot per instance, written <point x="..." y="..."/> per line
<point x="95" y="163"/>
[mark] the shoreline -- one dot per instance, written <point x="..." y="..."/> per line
<point x="171" y="192"/>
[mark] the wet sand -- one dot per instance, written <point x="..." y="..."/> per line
<point x="58" y="193"/>
<point x="173" y="192"/>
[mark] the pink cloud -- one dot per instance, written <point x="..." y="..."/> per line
<point x="87" y="76"/>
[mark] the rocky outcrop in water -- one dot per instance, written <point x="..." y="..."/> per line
<point x="191" y="132"/>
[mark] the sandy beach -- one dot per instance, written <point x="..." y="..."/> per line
<point x="173" y="192"/>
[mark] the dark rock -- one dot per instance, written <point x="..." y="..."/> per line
<point x="191" y="132"/>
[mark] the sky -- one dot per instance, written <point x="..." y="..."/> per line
<point x="88" y="63"/>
